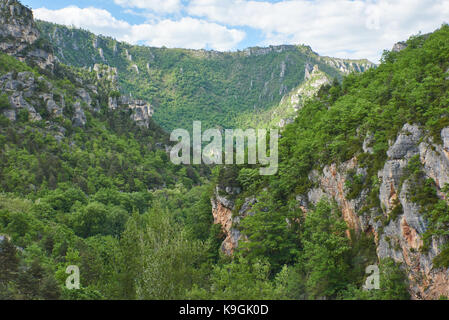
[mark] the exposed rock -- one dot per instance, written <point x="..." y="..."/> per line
<point x="79" y="118"/>
<point x="100" y="52"/>
<point x="349" y="66"/>
<point x="13" y="85"/>
<point x="141" y="114"/>
<point x="43" y="59"/>
<point x="112" y="103"/>
<point x="367" y="144"/>
<point x="399" y="46"/>
<point x="53" y="108"/>
<point x="283" y="122"/>
<point x="18" y="102"/>
<point x="406" y="144"/>
<point x="18" y="34"/>
<point x="106" y="72"/>
<point x="332" y="186"/>
<point x="222" y="213"/>
<point x="84" y="95"/>
<point x="92" y="88"/>
<point x="283" y="69"/>
<point x="401" y="238"/>
<point x="17" y="29"/>
<point x="222" y="208"/>
<point x="128" y="56"/>
<point x="308" y="71"/>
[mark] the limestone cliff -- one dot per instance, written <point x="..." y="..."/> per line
<point x="398" y="235"/>
<point x="347" y="66"/>
<point x="142" y="111"/>
<point x="17" y="29"/>
<point x="20" y="37"/>
<point x="223" y="208"/>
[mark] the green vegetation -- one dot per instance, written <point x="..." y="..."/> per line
<point x="408" y="87"/>
<point x="182" y="84"/>
<point x="423" y="192"/>
<point x="105" y="197"/>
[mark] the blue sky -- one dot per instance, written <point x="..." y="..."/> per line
<point x="340" y="28"/>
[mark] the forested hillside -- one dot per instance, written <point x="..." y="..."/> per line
<point x="74" y="174"/>
<point x="369" y="156"/>
<point x="216" y="88"/>
<point x="86" y="180"/>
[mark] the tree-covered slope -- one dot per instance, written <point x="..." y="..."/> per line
<point x="73" y="173"/>
<point x="187" y="85"/>
<point x="375" y="149"/>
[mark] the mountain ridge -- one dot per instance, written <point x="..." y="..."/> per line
<point x="183" y="83"/>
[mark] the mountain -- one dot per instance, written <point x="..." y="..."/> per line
<point x="86" y="182"/>
<point x="182" y="84"/>
<point x="78" y="159"/>
<point x="371" y="153"/>
<point x="290" y="104"/>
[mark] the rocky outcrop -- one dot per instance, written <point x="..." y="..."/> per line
<point x="332" y="186"/>
<point x="84" y="96"/>
<point x="17" y="30"/>
<point x="79" y="118"/>
<point x="19" y="35"/>
<point x="105" y="72"/>
<point x="223" y="207"/>
<point x="398" y="236"/>
<point x="18" y="102"/>
<point x="294" y="101"/>
<point x="19" y="88"/>
<point x="399" y="46"/>
<point x="349" y="66"/>
<point x="142" y="111"/>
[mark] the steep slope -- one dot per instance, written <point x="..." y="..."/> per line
<point x="77" y="160"/>
<point x="186" y="85"/>
<point x="377" y="147"/>
<point x="290" y="104"/>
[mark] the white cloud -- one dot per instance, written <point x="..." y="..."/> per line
<point x="340" y="28"/>
<point x="96" y="20"/>
<point x="184" y="33"/>
<point x="160" y="6"/>
<point x="188" y="33"/>
<point x="344" y="28"/>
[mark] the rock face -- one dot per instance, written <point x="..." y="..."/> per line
<point x="349" y="66"/>
<point x="222" y="211"/>
<point x="294" y="101"/>
<point x="402" y="237"/>
<point x="332" y="185"/>
<point x="142" y="111"/>
<point x="19" y="35"/>
<point x="19" y="87"/>
<point x="79" y="118"/>
<point x="399" y="46"/>
<point x="106" y="72"/>
<point x="17" y="30"/>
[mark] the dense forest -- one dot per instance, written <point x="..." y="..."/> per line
<point x="213" y="87"/>
<point x="98" y="190"/>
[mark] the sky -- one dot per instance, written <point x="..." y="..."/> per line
<point x="339" y="28"/>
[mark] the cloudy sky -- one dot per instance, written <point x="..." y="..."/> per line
<point x="339" y="28"/>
